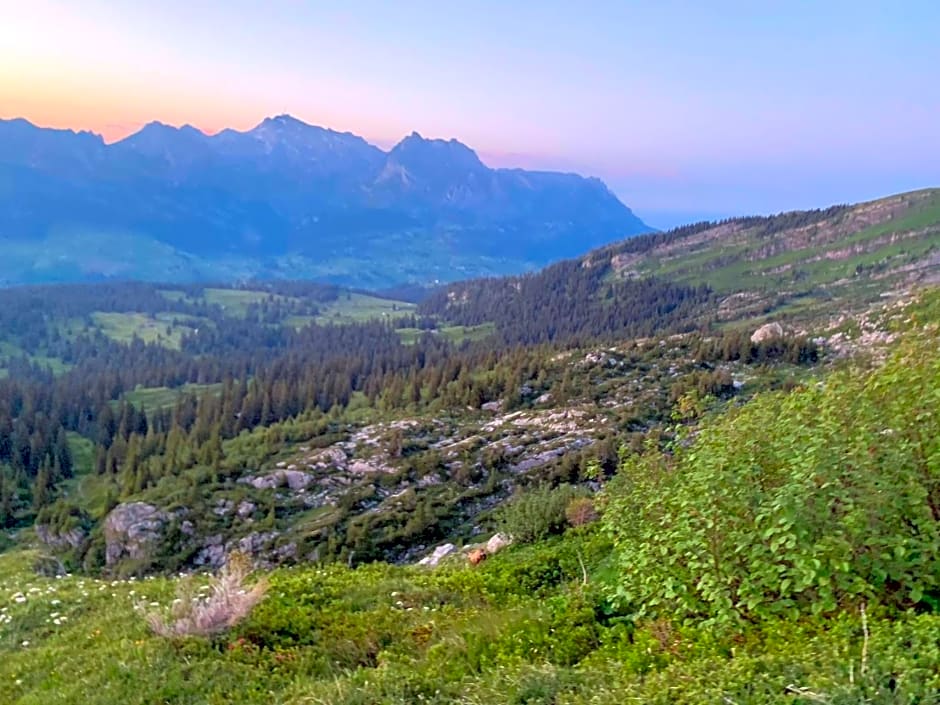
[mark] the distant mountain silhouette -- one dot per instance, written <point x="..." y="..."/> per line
<point x="287" y="198"/>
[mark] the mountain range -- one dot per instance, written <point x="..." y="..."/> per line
<point x="283" y="200"/>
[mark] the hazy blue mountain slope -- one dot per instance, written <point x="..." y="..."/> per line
<point x="287" y="198"/>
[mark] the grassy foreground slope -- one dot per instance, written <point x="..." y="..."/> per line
<point x="521" y="629"/>
<point x="762" y="559"/>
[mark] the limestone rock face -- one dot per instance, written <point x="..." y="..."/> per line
<point x="768" y="331"/>
<point x="212" y="554"/>
<point x="61" y="540"/>
<point x="246" y="509"/>
<point x="132" y="530"/>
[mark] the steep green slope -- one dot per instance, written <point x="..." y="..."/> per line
<point x="845" y="252"/>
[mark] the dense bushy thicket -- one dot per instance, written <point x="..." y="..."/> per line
<point x="811" y="501"/>
<point x="538" y="513"/>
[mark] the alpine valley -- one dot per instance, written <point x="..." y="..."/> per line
<point x="284" y="200"/>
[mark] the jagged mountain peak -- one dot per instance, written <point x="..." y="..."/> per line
<point x="285" y="122"/>
<point x="288" y="124"/>
<point x="156" y="130"/>
<point x="436" y="160"/>
<point x="293" y="135"/>
<point x="415" y="142"/>
<point x="53" y="151"/>
<point x="176" y="147"/>
<point x="19" y="127"/>
<point x="17" y="123"/>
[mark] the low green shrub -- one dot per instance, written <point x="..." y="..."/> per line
<point x="808" y="502"/>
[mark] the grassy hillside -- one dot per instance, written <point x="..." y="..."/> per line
<point x="385" y="259"/>
<point x="521" y="629"/>
<point x="164" y="328"/>
<point x="155" y="398"/>
<point x="353" y="307"/>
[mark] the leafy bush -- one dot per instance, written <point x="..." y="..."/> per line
<point x="821" y="498"/>
<point x="537" y="513"/>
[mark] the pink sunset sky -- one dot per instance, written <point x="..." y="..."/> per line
<point x="683" y="110"/>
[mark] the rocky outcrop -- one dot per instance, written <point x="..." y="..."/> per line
<point x="132" y="531"/>
<point x="260" y="546"/>
<point x="212" y="554"/>
<point x="294" y="479"/>
<point x="475" y="553"/>
<point x="246" y="509"/>
<point x="439" y="553"/>
<point x="332" y="457"/>
<point x="768" y="331"/>
<point x="59" y="540"/>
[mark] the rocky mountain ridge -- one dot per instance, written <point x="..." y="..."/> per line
<point x="287" y="199"/>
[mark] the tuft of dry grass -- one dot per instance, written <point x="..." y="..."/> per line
<point x="228" y="602"/>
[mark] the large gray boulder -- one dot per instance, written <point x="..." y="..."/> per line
<point x="768" y="331"/>
<point x="133" y="530"/>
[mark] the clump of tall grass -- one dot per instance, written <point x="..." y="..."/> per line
<point x="228" y="602"/>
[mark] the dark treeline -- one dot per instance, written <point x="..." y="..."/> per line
<point x="570" y="302"/>
<point x="766" y="226"/>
